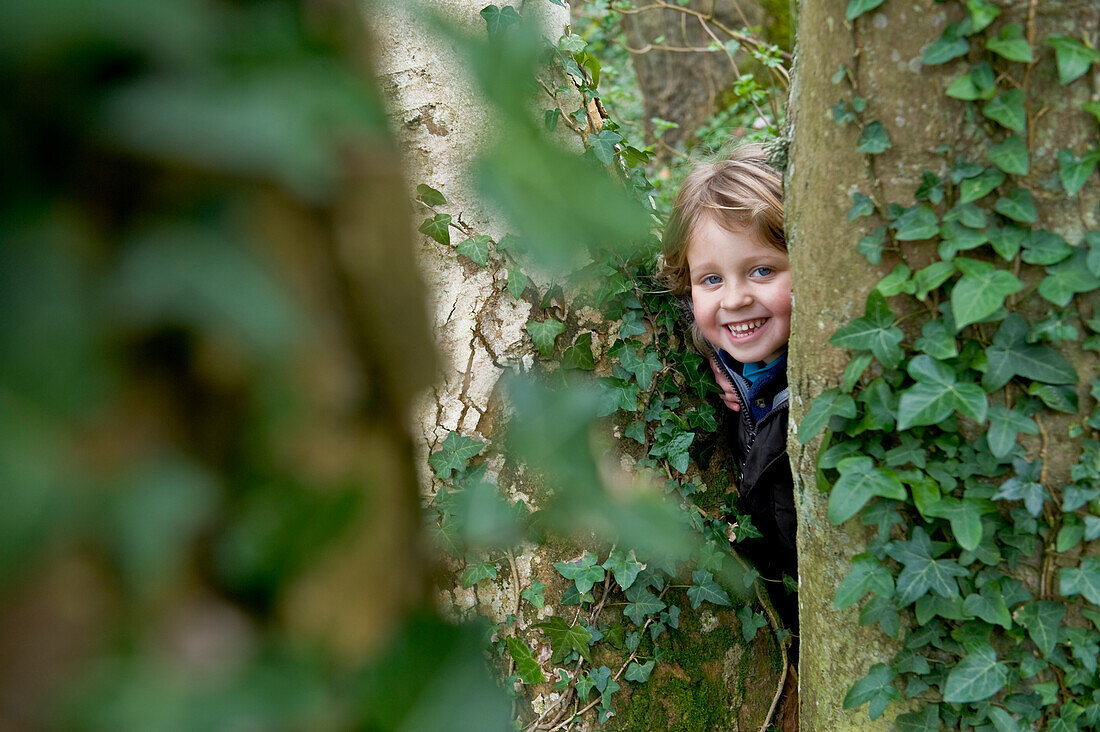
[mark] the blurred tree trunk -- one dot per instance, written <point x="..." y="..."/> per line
<point x="883" y="52"/>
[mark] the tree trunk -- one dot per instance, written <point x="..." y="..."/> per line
<point x="882" y="50"/>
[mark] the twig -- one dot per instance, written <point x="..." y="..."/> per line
<point x="733" y="63"/>
<point x="707" y="17"/>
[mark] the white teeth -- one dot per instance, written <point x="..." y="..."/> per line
<point x="745" y="327"/>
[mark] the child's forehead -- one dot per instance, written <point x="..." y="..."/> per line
<point x="715" y="236"/>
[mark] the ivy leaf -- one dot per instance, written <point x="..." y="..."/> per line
<point x="852" y="373"/>
<point x="931" y="188"/>
<point x="533" y="595"/>
<point x="585" y="572"/>
<point x="881" y="406"/>
<point x="1007" y="109"/>
<point x="1011" y="157"/>
<point x="1011" y="44"/>
<point x="981" y="13"/>
<point x="551" y="117"/>
<point x="1045" y="247"/>
<point x="1004" y="425"/>
<point x="615" y="395"/>
<point x="990" y="607"/>
<point x="751" y="622"/>
<point x="862" y="205"/>
<point x="1042" y="620"/>
<point x="958" y="238"/>
<point x="874" y="139"/>
<point x="926" y="720"/>
<point x="1025" y="486"/>
<point x="642" y="368"/>
<point x="857" y="8"/>
<point x="632" y="324"/>
<point x="978" y="676"/>
<point x="1007" y="240"/>
<point x="477" y="249"/>
<point x="429" y="195"/>
<point x="544" y="334"/>
<point x="866" y="575"/>
<point x="871" y="245"/>
<point x="918" y="222"/>
<point x="909" y="451"/>
<point x="1075" y="171"/>
<point x="603" y="145"/>
<point x="499" y="20"/>
<point x="979" y="186"/>
<point x="859" y="481"/>
<point x="1083" y="580"/>
<point x="642" y="603"/>
<point x="457" y="450"/>
<point x="841" y="113"/>
<point x="981" y="291"/>
<point x="965" y="516"/>
<point x="881" y="611"/>
<point x="937" y="340"/>
<point x="517" y="283"/>
<point x="474" y="573"/>
<point x="438" y="228"/>
<point x="565" y="638"/>
<point x="579" y="356"/>
<point x="1074" y="57"/>
<point x="527" y="668"/>
<point x="1060" y="398"/>
<point x="585" y="685"/>
<point x="876" y="689"/>
<point x="572" y="43"/>
<point x="639" y="671"/>
<point x="874" y="332"/>
<point x="1069" y="536"/>
<point x="828" y="404"/>
<point x="978" y="83"/>
<point x="950" y="45"/>
<point x="705" y="589"/>
<point x="625" y="567"/>
<point x="937" y="394"/>
<point x="1011" y="355"/>
<point x="931" y="277"/>
<point x="1092" y="527"/>
<point x="921" y="572"/>
<point x="1068" y="278"/>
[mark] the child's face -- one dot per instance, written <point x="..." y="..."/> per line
<point x="740" y="291"/>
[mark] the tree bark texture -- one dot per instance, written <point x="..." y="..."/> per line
<point x="883" y="50"/>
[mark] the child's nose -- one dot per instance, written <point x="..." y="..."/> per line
<point x="736" y="297"/>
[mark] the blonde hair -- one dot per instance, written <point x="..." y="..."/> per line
<point x="741" y="191"/>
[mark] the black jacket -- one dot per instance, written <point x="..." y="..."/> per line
<point x="764" y="482"/>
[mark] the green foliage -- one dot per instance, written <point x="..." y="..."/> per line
<point x="968" y="515"/>
<point x="631" y="597"/>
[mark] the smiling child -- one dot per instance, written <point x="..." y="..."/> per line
<point x="726" y="249"/>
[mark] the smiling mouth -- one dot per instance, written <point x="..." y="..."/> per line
<point x="745" y="328"/>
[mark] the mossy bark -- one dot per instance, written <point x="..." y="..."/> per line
<point x="882" y="52"/>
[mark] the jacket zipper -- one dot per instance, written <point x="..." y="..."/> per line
<point x="742" y="394"/>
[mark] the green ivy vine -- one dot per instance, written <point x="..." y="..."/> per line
<point x="940" y="431"/>
<point x="650" y="390"/>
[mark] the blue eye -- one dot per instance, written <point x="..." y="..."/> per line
<point x="712" y="280"/>
<point x="763" y="271"/>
